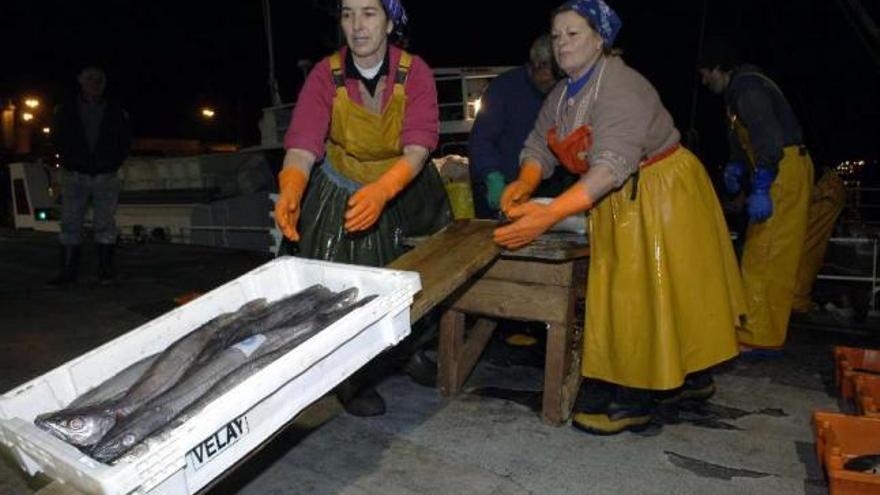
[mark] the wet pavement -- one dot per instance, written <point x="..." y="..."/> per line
<point x="753" y="437"/>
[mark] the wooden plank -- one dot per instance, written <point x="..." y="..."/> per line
<point x="530" y="272"/>
<point x="553" y="246"/>
<point x="514" y="301"/>
<point x="447" y="260"/>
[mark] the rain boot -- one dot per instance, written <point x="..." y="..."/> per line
<point x="68" y="272"/>
<point x="631" y="410"/>
<point x="106" y="271"/>
<point x="421" y="369"/>
<point x="698" y="387"/>
<point x="593" y="396"/>
<point x="359" y="400"/>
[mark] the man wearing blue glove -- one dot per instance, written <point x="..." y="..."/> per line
<point x="770" y="164"/>
<point x="508" y="111"/>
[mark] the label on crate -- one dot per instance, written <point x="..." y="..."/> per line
<point x="209" y="448"/>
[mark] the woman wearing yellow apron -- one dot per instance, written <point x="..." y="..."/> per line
<point x="663" y="292"/>
<point x="766" y="145"/>
<point x="364" y="123"/>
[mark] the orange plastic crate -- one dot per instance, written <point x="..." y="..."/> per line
<point x="849" y="360"/>
<point x="839" y="438"/>
<point x="867" y="394"/>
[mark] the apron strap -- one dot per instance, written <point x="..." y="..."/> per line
<point x="403" y="67"/>
<point x="336" y="71"/>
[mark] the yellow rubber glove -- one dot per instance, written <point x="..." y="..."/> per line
<point x="291" y="184"/>
<point x="520" y="190"/>
<point x="533" y="219"/>
<point x="366" y="205"/>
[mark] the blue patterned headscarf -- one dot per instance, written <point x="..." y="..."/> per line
<point x="396" y="12"/>
<point x="606" y="20"/>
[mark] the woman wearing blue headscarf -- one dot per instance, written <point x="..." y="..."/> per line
<point x="664" y="293"/>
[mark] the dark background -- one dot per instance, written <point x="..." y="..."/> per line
<point x="166" y="59"/>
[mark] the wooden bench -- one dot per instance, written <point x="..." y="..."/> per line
<point x="466" y="273"/>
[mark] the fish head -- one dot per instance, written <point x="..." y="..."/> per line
<point x="79" y="428"/>
<point x="114" y="446"/>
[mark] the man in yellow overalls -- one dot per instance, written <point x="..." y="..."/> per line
<point x="767" y="147"/>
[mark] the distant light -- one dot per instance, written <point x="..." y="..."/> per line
<point x="27" y="116"/>
<point x="47" y="130"/>
<point x="208" y="113"/>
<point x="31" y="103"/>
<point x="42" y="215"/>
<point x="474" y="107"/>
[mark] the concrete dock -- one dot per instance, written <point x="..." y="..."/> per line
<point x="754" y="437"/>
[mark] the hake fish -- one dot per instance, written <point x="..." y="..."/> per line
<point x="115" y="387"/>
<point x="85" y="426"/>
<point x="156" y="414"/>
<point x="229" y="382"/>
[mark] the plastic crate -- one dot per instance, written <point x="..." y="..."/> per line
<point x="850" y="360"/>
<point x="259" y="406"/>
<point x="867" y="395"/>
<point x="839" y="438"/>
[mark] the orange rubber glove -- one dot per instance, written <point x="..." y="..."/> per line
<point x="520" y="190"/>
<point x="291" y="184"/>
<point x="533" y="219"/>
<point x="365" y="205"/>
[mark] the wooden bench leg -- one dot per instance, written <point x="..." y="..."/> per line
<point x="562" y="368"/>
<point x="562" y="375"/>
<point x="459" y="352"/>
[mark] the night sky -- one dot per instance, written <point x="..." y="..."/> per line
<point x="166" y="59"/>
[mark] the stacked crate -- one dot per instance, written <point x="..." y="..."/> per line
<point x="841" y="438"/>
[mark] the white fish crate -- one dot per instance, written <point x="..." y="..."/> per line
<point x="215" y="439"/>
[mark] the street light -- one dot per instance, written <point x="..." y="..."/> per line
<point x="47" y="130"/>
<point x="208" y="113"/>
<point x="27" y="116"/>
<point x="31" y="103"/>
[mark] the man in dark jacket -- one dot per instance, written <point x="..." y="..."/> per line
<point x="509" y="108"/>
<point x="93" y="137"/>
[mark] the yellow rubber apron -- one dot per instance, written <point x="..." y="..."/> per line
<point x="826" y="203"/>
<point x="362" y="144"/>
<point x="664" y="295"/>
<point x="773" y="248"/>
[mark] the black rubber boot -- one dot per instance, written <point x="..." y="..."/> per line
<point x="421" y="369"/>
<point x="593" y="396"/>
<point x="106" y="270"/>
<point x="698" y="387"/>
<point x="69" y="270"/>
<point x="361" y="401"/>
<point x="630" y="410"/>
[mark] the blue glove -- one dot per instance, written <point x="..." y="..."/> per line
<point x="733" y="176"/>
<point x="760" y="206"/>
<point x="494" y="188"/>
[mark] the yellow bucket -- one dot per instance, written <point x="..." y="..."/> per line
<point x="461" y="198"/>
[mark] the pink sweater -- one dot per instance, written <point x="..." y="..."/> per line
<point x="310" y="122"/>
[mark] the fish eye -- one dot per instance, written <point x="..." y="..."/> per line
<point x="76" y="423"/>
<point x="128" y="440"/>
